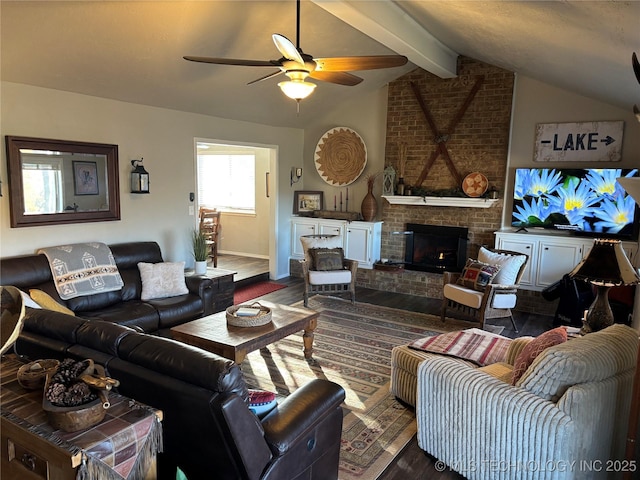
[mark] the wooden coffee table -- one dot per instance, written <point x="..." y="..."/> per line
<point x="212" y="333"/>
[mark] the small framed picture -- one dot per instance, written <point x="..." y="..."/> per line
<point x="85" y="178"/>
<point x="305" y="201"/>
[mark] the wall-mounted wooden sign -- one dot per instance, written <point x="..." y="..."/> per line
<point x="578" y="142"/>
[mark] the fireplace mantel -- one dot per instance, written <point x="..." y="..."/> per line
<point x="441" y="201"/>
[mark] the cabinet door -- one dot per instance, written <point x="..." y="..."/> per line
<point x="298" y="229"/>
<point x="358" y="244"/>
<point x="521" y="246"/>
<point x="331" y="228"/>
<point x="555" y="259"/>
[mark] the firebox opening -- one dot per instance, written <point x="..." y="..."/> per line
<point x="435" y="248"/>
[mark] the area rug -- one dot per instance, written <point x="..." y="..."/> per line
<point x="352" y="347"/>
<point x="255" y="290"/>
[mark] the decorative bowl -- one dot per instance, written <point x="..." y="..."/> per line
<point x="32" y="375"/>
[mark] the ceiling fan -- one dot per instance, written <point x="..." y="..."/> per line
<point x="298" y="65"/>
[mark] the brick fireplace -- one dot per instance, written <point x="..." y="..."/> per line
<point x="478" y="144"/>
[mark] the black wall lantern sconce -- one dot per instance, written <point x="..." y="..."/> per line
<point x="139" y="177"/>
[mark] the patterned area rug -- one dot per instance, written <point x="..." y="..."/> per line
<point x="352" y="347"/>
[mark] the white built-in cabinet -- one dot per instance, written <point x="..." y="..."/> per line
<point x="360" y="240"/>
<point x="551" y="256"/>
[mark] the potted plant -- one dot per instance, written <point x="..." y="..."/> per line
<point x="200" y="251"/>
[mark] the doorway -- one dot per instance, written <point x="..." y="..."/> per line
<point x="235" y="179"/>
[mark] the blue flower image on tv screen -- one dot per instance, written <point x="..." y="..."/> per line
<point x="588" y="201"/>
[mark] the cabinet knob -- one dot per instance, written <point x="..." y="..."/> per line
<point x="546" y="248"/>
<point x="528" y="247"/>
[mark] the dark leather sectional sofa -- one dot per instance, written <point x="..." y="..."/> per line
<point x="208" y="429"/>
<point x="123" y="306"/>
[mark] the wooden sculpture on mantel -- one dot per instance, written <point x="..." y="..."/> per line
<point x="440" y="137"/>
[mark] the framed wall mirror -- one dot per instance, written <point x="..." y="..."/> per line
<point x="55" y="182"/>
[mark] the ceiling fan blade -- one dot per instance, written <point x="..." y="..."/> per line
<point x="341" y="78"/>
<point x="234" y="61"/>
<point x="636" y="65"/>
<point x="287" y="49"/>
<point x="348" y="64"/>
<point x="265" y="77"/>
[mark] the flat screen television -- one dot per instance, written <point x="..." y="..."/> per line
<point x="583" y="201"/>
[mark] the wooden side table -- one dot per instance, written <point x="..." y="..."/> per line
<point x="124" y="443"/>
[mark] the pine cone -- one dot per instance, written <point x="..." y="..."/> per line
<point x="55" y="393"/>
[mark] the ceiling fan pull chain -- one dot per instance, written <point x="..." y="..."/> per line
<point x="298" y="26"/>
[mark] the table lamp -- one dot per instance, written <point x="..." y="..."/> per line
<point x="606" y="266"/>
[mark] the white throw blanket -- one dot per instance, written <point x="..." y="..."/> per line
<point x="83" y="269"/>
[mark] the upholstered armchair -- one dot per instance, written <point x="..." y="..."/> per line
<point x="565" y="418"/>
<point x="487" y="288"/>
<point x="324" y="268"/>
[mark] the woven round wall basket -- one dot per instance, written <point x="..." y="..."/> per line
<point x="340" y="156"/>
<point x="262" y="316"/>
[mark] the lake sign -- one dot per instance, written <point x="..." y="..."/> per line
<point x="578" y="142"/>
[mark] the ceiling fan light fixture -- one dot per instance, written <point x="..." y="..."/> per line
<point x="296" y="88"/>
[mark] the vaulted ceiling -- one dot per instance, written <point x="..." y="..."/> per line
<point x="132" y="51"/>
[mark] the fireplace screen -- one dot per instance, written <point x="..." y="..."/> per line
<point x="435" y="248"/>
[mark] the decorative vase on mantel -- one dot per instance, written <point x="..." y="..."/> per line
<point x="369" y="207"/>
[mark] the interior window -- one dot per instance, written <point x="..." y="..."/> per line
<point x="226" y="178"/>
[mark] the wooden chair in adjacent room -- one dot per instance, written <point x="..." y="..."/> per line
<point x="210" y="226"/>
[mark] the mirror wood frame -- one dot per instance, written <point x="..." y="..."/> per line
<point x="16" y="192"/>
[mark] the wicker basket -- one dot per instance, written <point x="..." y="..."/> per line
<point x="32" y="375"/>
<point x="262" y="318"/>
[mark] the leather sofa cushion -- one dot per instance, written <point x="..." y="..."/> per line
<point x="26" y="271"/>
<point x="132" y="313"/>
<point x="53" y="325"/>
<point x="102" y="336"/>
<point x="189" y="364"/>
<point x="94" y="301"/>
<point x="127" y="255"/>
<point x="176" y="310"/>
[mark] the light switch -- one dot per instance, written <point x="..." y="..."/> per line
<point x="192" y="210"/>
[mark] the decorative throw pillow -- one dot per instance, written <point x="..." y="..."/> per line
<point x="325" y="259"/>
<point x="46" y="301"/>
<point x="261" y="401"/>
<point x="319" y="241"/>
<point x="28" y="301"/>
<point x="535" y="348"/>
<point x="162" y="280"/>
<point x="477" y="275"/>
<point x="509" y="265"/>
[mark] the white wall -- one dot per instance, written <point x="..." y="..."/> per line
<point x="165" y="139"/>
<point x="367" y="115"/>
<point x="536" y="102"/>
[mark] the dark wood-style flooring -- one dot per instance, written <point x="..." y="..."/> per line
<point x="412" y="462"/>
